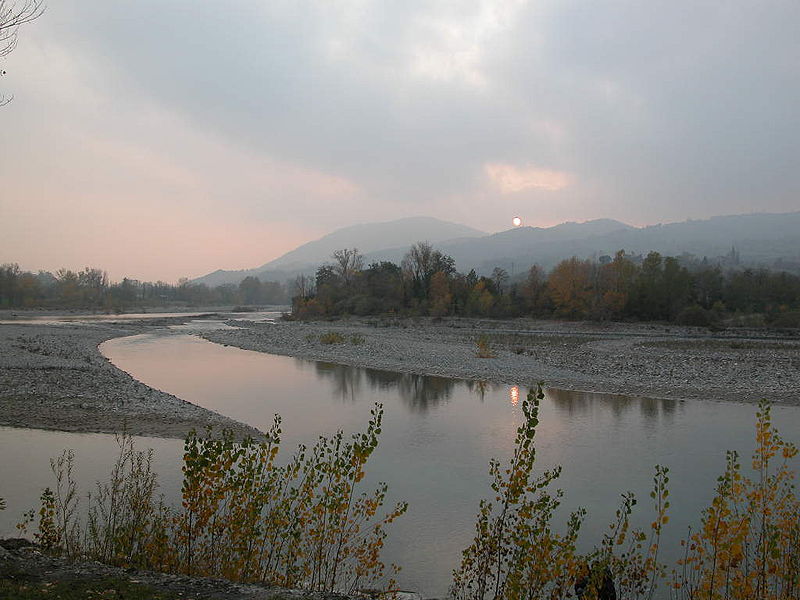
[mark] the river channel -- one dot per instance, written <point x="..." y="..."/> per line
<point x="438" y="437"/>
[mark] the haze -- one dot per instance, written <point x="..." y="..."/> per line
<point x="171" y="138"/>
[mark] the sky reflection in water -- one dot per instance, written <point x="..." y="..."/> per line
<point x="439" y="435"/>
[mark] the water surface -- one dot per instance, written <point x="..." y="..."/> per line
<point x="438" y="436"/>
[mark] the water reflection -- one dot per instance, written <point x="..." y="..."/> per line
<point x="418" y="392"/>
<point x="440" y="433"/>
<point x="572" y="404"/>
<point x="481" y="388"/>
<point x="513" y="395"/>
<point x="345" y="382"/>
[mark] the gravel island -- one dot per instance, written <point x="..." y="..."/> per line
<point x="52" y="376"/>
<point x="658" y="361"/>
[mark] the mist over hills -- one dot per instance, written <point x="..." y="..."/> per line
<point x="759" y="238"/>
<point x="368" y="238"/>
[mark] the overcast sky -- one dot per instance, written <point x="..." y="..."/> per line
<point x="160" y="138"/>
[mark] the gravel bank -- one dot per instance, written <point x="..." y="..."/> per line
<point x="23" y="562"/>
<point x="636" y="359"/>
<point x="54" y="377"/>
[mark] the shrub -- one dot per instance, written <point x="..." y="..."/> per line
<point x="788" y="319"/>
<point x="357" y="339"/>
<point x="748" y="543"/>
<point x="516" y="553"/>
<point x="483" y="348"/>
<point x="331" y="338"/>
<point x="242" y="516"/>
<point x="696" y="316"/>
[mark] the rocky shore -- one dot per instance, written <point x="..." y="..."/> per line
<point x="25" y="568"/>
<point x="658" y="361"/>
<point x="52" y="376"/>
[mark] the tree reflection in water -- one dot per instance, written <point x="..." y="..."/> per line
<point x="419" y="392"/>
<point x="423" y="392"/>
<point x="479" y="388"/>
<point x="345" y="380"/>
<point x="573" y="403"/>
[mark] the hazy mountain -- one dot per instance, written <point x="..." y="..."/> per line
<point x="759" y="238"/>
<point x="368" y="238"/>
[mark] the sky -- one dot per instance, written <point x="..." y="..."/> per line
<point x="159" y="139"/>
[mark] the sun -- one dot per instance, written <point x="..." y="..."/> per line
<point x="516" y="221"/>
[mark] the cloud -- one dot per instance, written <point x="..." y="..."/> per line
<point x="314" y="115"/>
<point x="512" y="179"/>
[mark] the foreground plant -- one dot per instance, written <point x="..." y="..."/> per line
<point x="748" y="543"/>
<point x="517" y="554"/>
<point x="242" y="516"/>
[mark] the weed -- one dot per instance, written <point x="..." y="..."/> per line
<point x="483" y="348"/>
<point x="331" y="338"/>
<point x="357" y="340"/>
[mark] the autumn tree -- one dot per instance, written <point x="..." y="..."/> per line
<point x="440" y="297"/>
<point x="570" y="287"/>
<point x="419" y="265"/>
<point x="615" y="279"/>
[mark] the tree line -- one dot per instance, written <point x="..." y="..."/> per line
<point x="91" y="289"/>
<point x="623" y="287"/>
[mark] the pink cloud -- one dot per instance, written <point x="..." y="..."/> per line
<point x="510" y="178"/>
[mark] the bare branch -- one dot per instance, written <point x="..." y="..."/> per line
<point x="12" y="16"/>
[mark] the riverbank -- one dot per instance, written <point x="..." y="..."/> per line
<point x="28" y="572"/>
<point x="635" y="359"/>
<point x="52" y="376"/>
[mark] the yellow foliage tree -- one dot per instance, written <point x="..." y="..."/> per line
<point x="570" y="287"/>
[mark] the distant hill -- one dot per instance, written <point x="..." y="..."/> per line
<point x="368" y="238"/>
<point x="759" y="238"/>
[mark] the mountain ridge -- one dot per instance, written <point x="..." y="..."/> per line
<point x="758" y="237"/>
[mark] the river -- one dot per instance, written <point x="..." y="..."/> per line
<point x="437" y="439"/>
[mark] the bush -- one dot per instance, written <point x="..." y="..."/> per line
<point x="696" y="316"/>
<point x="331" y="338"/>
<point x="483" y="348"/>
<point x="242" y="516"/>
<point x="517" y="554"/>
<point x="747" y="545"/>
<point x="787" y="320"/>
